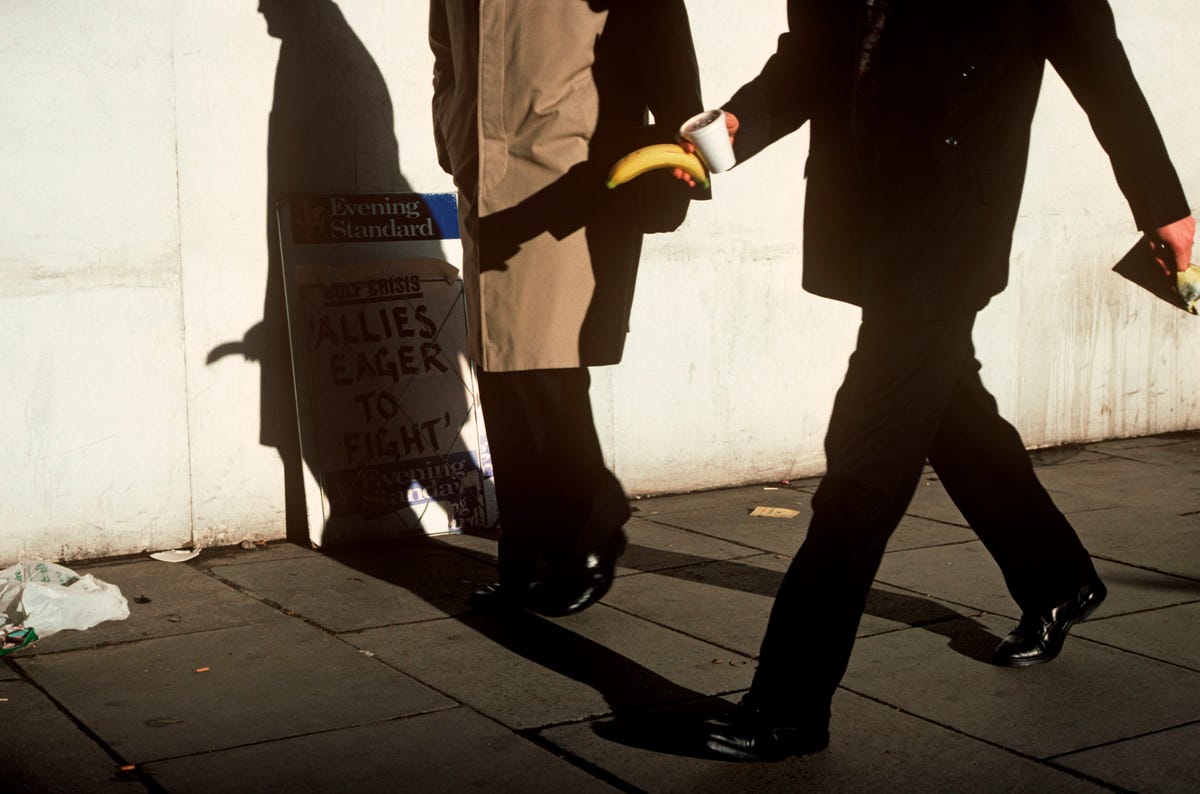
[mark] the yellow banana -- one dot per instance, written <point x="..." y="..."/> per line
<point x="659" y="155"/>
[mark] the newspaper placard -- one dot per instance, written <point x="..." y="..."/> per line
<point x="389" y="422"/>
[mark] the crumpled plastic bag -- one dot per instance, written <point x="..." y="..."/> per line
<point x="51" y="598"/>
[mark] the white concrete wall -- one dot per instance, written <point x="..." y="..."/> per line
<point x="133" y="181"/>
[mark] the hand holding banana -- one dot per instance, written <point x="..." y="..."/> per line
<point x="654" y="157"/>
<point x="682" y="158"/>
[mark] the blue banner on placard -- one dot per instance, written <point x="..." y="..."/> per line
<point x="373" y="217"/>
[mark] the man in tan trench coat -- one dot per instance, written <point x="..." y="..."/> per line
<point x="533" y="102"/>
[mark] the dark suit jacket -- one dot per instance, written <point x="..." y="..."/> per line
<point x="913" y="187"/>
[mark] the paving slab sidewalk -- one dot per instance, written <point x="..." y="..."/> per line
<point x="284" y="667"/>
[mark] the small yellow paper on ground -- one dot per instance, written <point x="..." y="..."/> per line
<point x="774" y="512"/>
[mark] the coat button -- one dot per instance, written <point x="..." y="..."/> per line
<point x="951" y="141"/>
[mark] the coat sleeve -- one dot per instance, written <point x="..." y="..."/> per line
<point x="778" y="101"/>
<point x="668" y="69"/>
<point x="443" y="76"/>
<point x="668" y="76"/>
<point x="1080" y="40"/>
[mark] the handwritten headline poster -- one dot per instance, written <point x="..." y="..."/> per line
<point x="390" y="423"/>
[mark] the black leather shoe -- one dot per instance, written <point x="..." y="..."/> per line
<point x="577" y="583"/>
<point x="498" y="597"/>
<point x="747" y="735"/>
<point x="1038" y="638"/>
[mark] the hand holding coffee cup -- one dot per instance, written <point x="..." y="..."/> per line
<point x="711" y="134"/>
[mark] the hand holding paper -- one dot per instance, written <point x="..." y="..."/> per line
<point x="1145" y="266"/>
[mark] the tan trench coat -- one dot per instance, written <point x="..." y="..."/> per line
<point x="533" y="102"/>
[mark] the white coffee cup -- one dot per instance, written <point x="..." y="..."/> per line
<point x="706" y="131"/>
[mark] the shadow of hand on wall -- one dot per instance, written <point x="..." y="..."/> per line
<point x="252" y="346"/>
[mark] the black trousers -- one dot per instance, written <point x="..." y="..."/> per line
<point x="912" y="393"/>
<point x="557" y="499"/>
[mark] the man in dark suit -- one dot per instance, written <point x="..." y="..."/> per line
<point x="921" y="118"/>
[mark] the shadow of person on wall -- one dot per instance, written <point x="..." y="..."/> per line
<point x="331" y="129"/>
